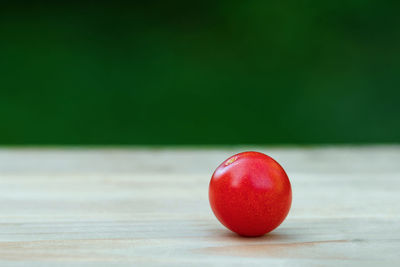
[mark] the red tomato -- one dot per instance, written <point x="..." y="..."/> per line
<point x="250" y="194"/>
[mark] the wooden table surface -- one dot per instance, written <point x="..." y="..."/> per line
<point x="137" y="206"/>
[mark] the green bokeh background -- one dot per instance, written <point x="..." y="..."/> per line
<point x="207" y="72"/>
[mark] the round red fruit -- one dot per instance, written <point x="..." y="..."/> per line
<point x="250" y="194"/>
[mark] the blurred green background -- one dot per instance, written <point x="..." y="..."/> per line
<point x="206" y="72"/>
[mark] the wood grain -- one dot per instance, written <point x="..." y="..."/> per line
<point x="137" y="206"/>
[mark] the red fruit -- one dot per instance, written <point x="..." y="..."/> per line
<point x="250" y="194"/>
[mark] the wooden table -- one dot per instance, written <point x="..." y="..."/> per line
<point x="137" y="206"/>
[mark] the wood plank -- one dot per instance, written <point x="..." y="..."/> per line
<point x="142" y="206"/>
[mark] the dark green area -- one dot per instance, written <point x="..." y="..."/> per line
<point x="206" y="72"/>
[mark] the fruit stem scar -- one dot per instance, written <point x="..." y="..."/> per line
<point x="229" y="161"/>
